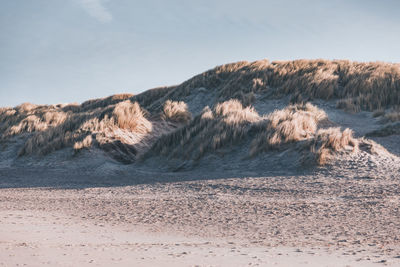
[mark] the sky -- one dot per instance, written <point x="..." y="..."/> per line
<point x="63" y="51"/>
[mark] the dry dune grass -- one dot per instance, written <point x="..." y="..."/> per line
<point x="229" y="123"/>
<point x="292" y="124"/>
<point x="232" y="112"/>
<point x="28" y="118"/>
<point x="328" y="141"/>
<point x="176" y="111"/>
<point x="118" y="126"/>
<point x="357" y="86"/>
<point x="130" y="116"/>
<point x="102" y="126"/>
<point x="302" y="124"/>
<point x="226" y="124"/>
<point x="124" y="130"/>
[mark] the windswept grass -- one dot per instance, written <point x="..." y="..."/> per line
<point x="176" y="111"/>
<point x="128" y="115"/>
<point x="226" y="124"/>
<point x="229" y="123"/>
<point x="329" y="141"/>
<point x="357" y="86"/>
<point x="301" y="124"/>
<point x="28" y="118"/>
<point x="119" y="126"/>
<point x="292" y="124"/>
<point x="124" y="122"/>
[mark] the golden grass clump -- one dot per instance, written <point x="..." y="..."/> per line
<point x="233" y="112"/>
<point x="292" y="124"/>
<point x="176" y="111"/>
<point x="128" y="115"/>
<point x="85" y="143"/>
<point x="332" y="140"/>
<point x="300" y="124"/>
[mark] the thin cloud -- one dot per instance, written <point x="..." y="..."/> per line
<point x="96" y="9"/>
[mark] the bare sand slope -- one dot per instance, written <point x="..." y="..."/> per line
<point x="267" y="221"/>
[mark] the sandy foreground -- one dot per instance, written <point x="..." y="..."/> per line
<point x="265" y="221"/>
<point x="42" y="238"/>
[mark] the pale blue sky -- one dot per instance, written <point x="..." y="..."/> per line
<point x="57" y="51"/>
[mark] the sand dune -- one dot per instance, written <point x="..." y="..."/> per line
<point x="266" y="163"/>
<point x="127" y="126"/>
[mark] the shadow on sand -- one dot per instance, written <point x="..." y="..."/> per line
<point x="80" y="179"/>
